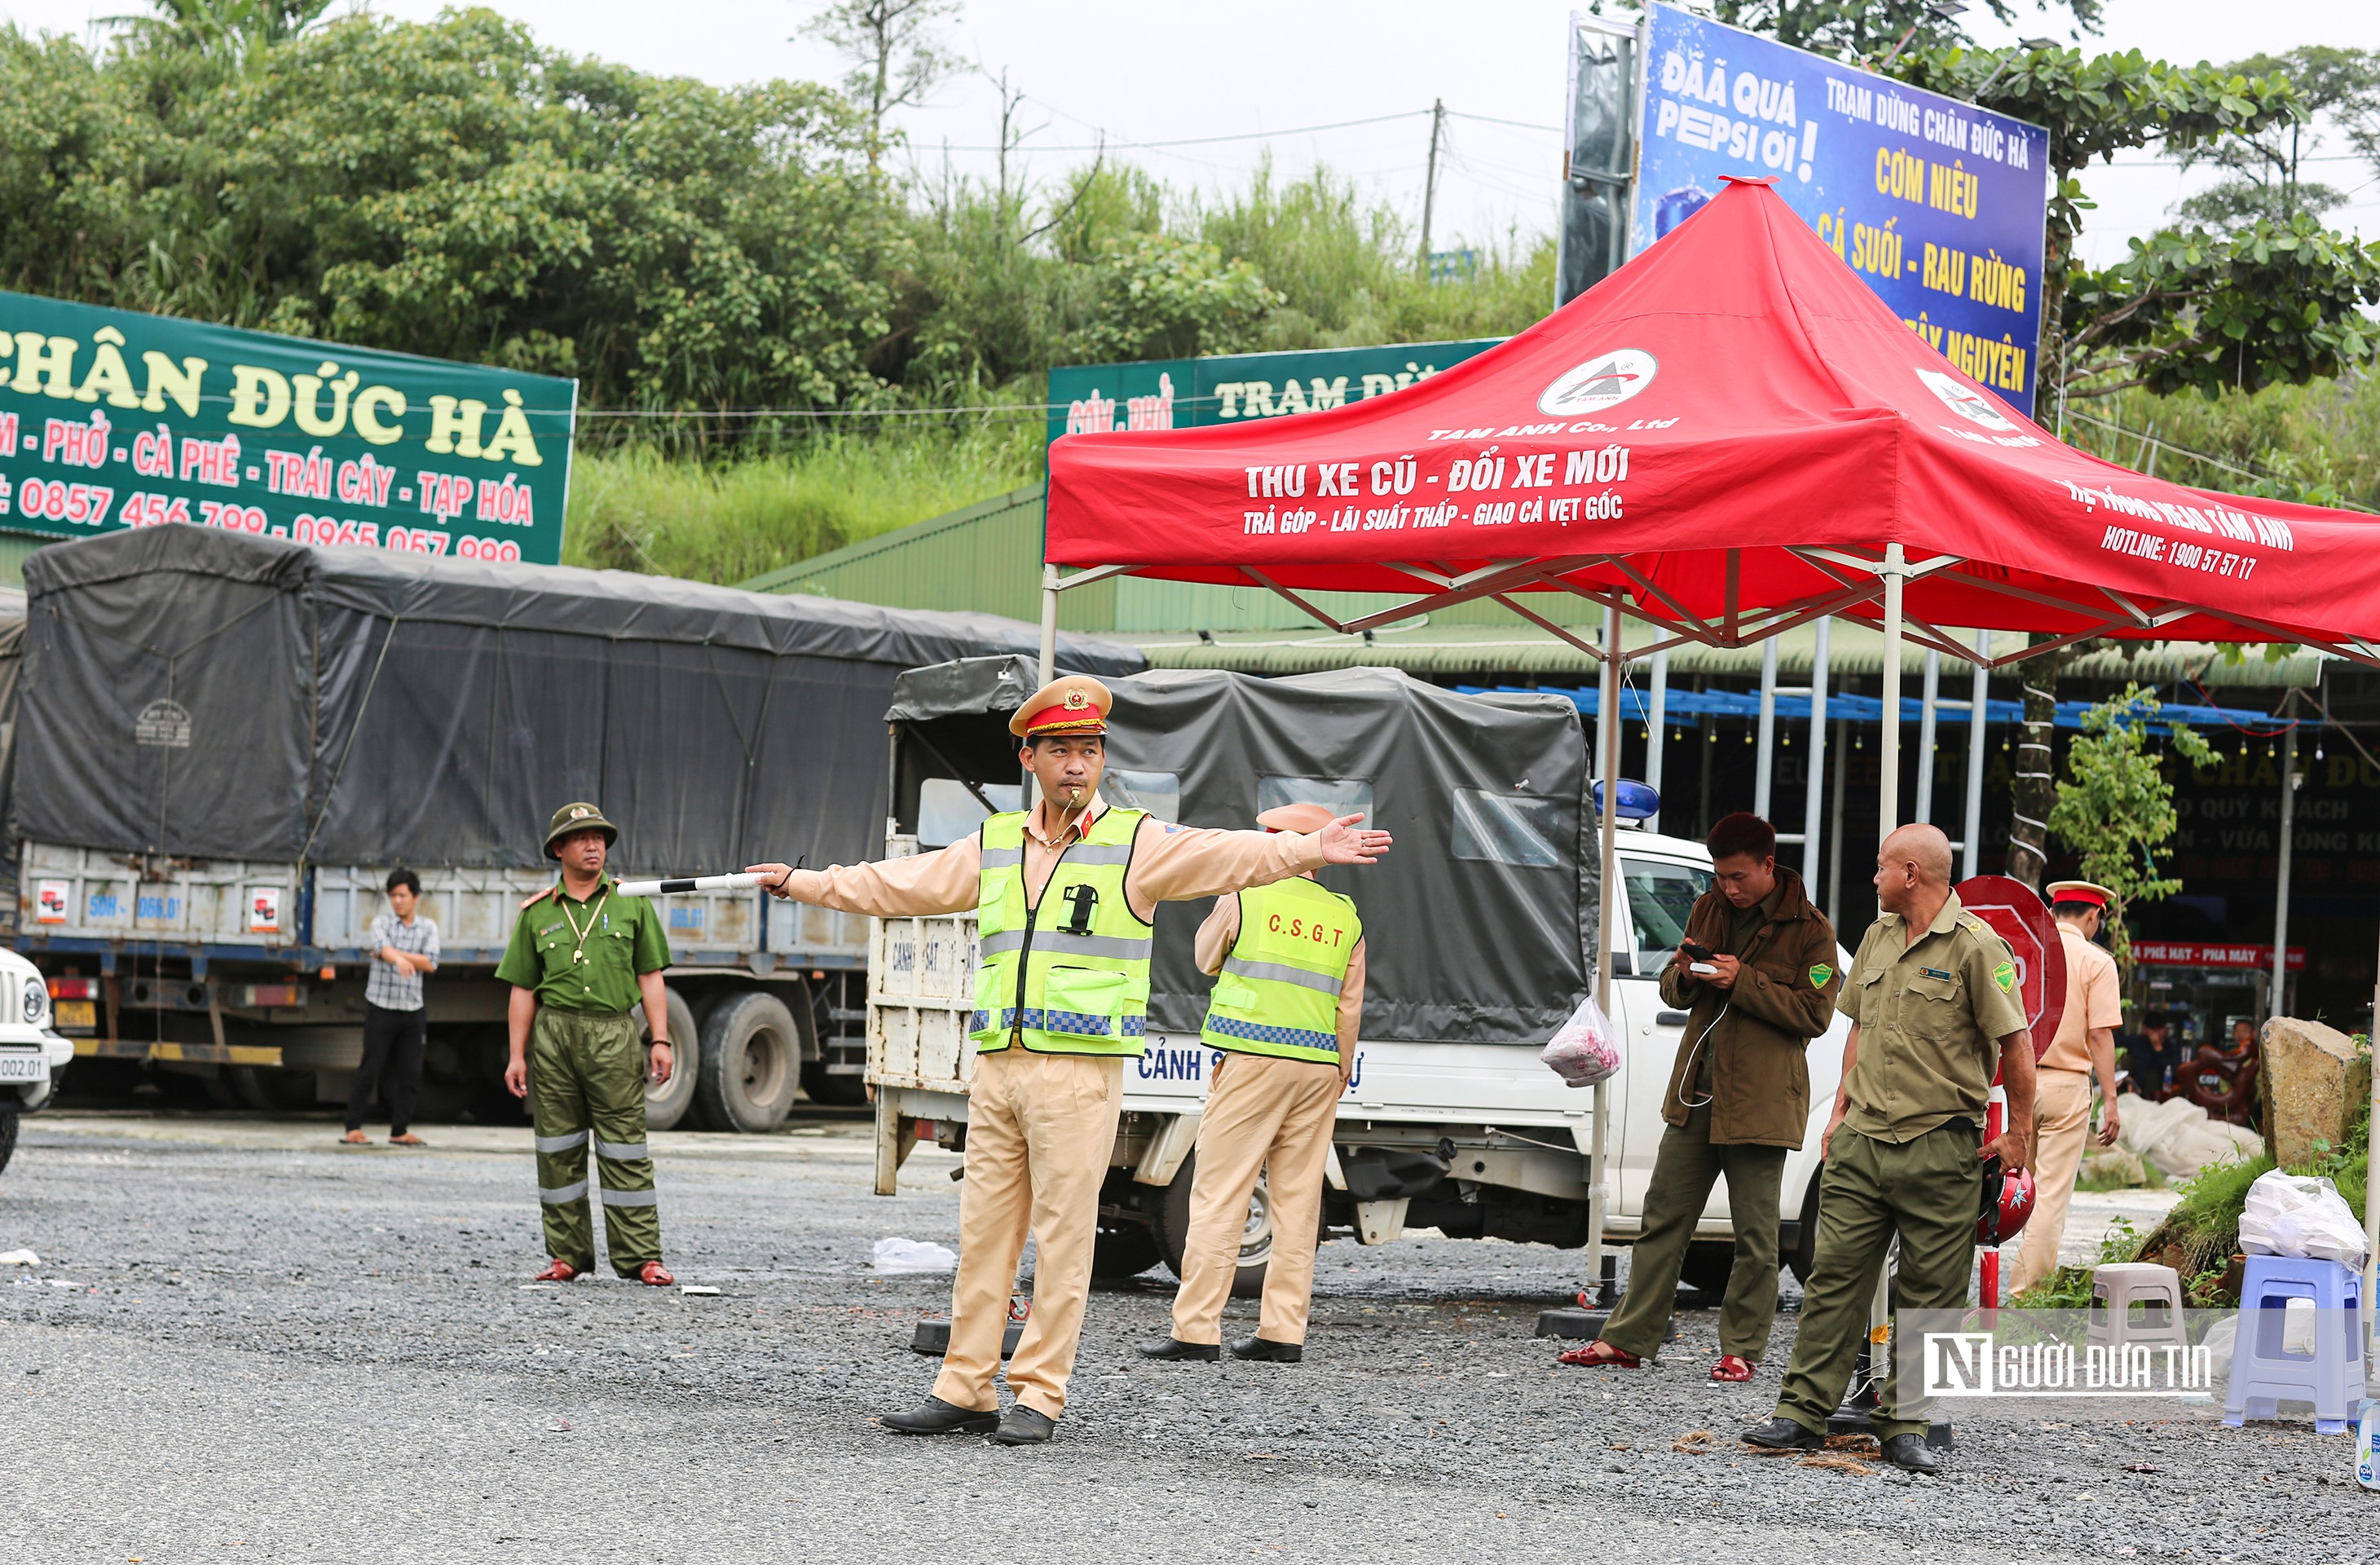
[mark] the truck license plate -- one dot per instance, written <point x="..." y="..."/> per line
<point x="76" y="1015"/>
<point x="23" y="1068"/>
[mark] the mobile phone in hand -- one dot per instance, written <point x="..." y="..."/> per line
<point x="1698" y="957"/>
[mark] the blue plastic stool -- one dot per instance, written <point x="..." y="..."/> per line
<point x="2262" y="1374"/>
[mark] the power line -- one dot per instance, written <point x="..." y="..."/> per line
<point x="1201" y="140"/>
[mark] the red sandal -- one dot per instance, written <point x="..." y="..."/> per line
<point x="1600" y="1354"/>
<point x="1731" y="1366"/>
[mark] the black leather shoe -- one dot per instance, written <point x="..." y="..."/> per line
<point x="1912" y="1452"/>
<point x="1023" y="1426"/>
<point x="1173" y="1348"/>
<point x="1264" y="1350"/>
<point x="935" y="1417"/>
<point x="1783" y="1434"/>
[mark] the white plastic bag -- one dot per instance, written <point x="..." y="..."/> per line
<point x="1586" y="1050"/>
<point x="2290" y="1214"/>
<point x="913" y="1255"/>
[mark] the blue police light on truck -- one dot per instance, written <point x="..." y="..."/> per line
<point x="1637" y="800"/>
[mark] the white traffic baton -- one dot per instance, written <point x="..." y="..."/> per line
<point x="737" y="882"/>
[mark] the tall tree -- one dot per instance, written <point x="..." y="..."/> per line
<point x="2183" y="309"/>
<point x="2115" y="806"/>
<point x="2263" y="173"/>
<point x="895" y="52"/>
<point x="1865" y="29"/>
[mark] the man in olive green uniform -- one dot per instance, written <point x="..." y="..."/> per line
<point x="580" y="959"/>
<point x="1932" y="999"/>
<point x="1738" y="1096"/>
<point x="1065" y="898"/>
<point x="1284" y="1017"/>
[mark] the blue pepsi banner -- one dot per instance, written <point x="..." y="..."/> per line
<point x="1938" y="205"/>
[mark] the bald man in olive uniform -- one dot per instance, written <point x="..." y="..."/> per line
<point x="1064" y="898"/>
<point x="1932" y="999"/>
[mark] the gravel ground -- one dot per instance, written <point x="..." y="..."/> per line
<point x="244" y="1343"/>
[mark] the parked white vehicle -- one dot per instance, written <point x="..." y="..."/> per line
<point x="33" y="1058"/>
<point x="1474" y="1140"/>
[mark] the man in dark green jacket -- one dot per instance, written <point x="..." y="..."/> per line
<point x="1739" y="1095"/>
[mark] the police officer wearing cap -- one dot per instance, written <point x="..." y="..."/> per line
<point x="1288" y="1000"/>
<point x="580" y="958"/>
<point x="1932" y="999"/>
<point x="1064" y="897"/>
<point x="2085" y="1043"/>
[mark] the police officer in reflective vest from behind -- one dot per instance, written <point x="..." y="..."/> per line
<point x="1288" y="1000"/>
<point x="1065" y="898"/>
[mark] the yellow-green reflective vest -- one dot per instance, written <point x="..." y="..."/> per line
<point x="1279" y="991"/>
<point x="1069" y="976"/>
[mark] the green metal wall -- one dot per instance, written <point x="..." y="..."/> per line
<point x="987" y="557"/>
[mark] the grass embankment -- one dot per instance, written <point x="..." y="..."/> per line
<point x="637" y="510"/>
<point x="2200" y="1234"/>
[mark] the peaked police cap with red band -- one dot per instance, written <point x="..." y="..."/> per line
<point x="2079" y="891"/>
<point x="1076" y="704"/>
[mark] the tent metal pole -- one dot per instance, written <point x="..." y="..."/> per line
<point x="1765" y="766"/>
<point x="1931" y="693"/>
<point x="1607" y="942"/>
<point x="1976" y="707"/>
<point x="1606" y="705"/>
<point x="1049" y="623"/>
<point x="2281" y="888"/>
<point x="1887" y="754"/>
<point x="1814" y="807"/>
<point x="1657" y="730"/>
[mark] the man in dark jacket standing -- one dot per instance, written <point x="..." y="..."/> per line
<point x="1739" y="1095"/>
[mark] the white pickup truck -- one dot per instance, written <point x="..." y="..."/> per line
<point x="33" y="1058"/>
<point x="1472" y="1140"/>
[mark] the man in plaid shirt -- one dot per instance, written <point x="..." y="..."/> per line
<point x="404" y="946"/>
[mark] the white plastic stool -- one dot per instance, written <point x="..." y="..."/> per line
<point x="2116" y="1288"/>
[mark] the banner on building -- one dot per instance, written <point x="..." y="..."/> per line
<point x="111" y="418"/>
<point x="1186" y="394"/>
<point x="1938" y="205"/>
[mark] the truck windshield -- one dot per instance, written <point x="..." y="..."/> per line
<point x="1660" y="894"/>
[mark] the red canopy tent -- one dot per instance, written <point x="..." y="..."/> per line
<point x="1732" y="436"/>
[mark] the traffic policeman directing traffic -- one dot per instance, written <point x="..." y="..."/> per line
<point x="1287" y="1003"/>
<point x="580" y="959"/>
<point x="1064" y="898"/>
<point x="1932" y="999"/>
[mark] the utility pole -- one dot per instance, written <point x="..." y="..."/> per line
<point x="1430" y="186"/>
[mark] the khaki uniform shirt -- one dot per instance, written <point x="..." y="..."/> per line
<point x="2091" y="1002"/>
<point x="1930" y="1016"/>
<point x="1168" y="864"/>
<point x="622" y="937"/>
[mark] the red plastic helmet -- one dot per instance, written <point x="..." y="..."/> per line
<point x="2007" y="1202"/>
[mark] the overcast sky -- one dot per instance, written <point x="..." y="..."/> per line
<point x="1227" y="67"/>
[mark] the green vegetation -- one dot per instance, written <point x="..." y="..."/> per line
<point x="2115" y="805"/>
<point x="634" y="509"/>
<point x="2198" y="1237"/>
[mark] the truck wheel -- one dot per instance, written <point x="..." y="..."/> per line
<point x="667" y="1104"/>
<point x="751" y="1061"/>
<point x="1804" y="1256"/>
<point x="7" y="1138"/>
<point x="1172" y="1223"/>
<point x="1126" y="1249"/>
<point x="1708" y="1263"/>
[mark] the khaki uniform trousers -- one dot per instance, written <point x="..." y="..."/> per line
<point x="586" y="1082"/>
<point x="1263" y="1115"/>
<point x="1041" y="1130"/>
<point x="1929" y="1191"/>
<point x="2061" y="1121"/>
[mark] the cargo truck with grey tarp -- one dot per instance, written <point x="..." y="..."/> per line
<point x="1479" y="929"/>
<point x="222" y="742"/>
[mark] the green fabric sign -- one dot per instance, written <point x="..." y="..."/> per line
<point x="111" y="418"/>
<point x="1188" y="393"/>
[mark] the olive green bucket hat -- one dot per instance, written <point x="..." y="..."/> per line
<point x="577" y="817"/>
